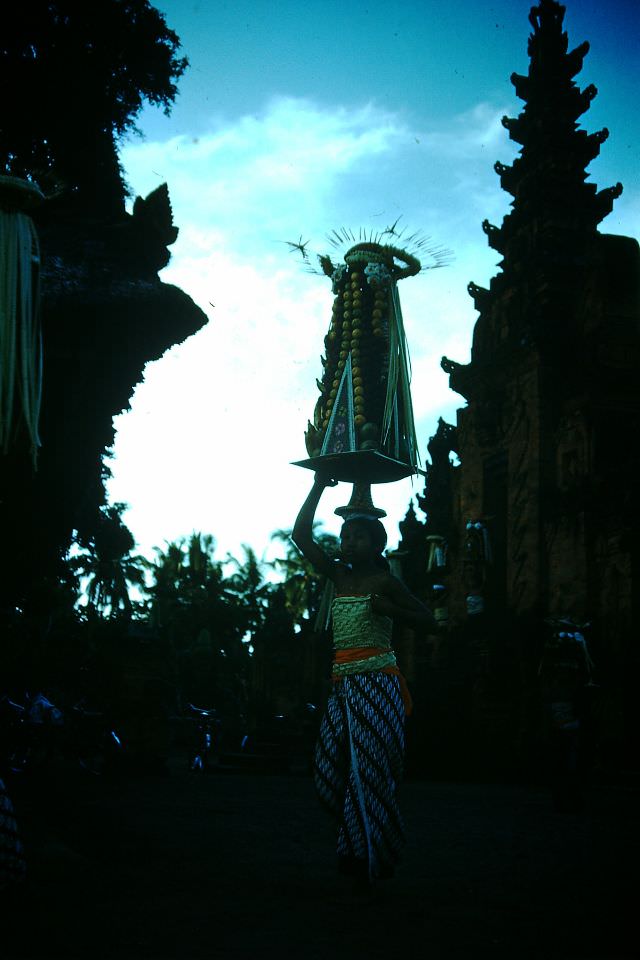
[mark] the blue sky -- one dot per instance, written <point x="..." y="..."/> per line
<point x="292" y="120"/>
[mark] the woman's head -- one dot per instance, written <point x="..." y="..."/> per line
<point x="362" y="539"/>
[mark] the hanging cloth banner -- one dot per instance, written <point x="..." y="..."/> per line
<point x="20" y="333"/>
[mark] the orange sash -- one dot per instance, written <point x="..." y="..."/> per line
<point x="351" y="654"/>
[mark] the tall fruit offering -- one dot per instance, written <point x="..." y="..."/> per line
<point x="363" y="427"/>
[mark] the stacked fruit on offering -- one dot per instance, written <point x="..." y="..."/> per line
<point x="361" y="336"/>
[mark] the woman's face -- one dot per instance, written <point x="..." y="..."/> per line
<point x="356" y="544"/>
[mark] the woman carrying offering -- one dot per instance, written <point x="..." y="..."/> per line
<point x="359" y="755"/>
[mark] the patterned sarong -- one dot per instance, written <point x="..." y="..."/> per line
<point x="358" y="768"/>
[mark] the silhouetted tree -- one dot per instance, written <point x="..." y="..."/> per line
<point x="248" y="584"/>
<point x="302" y="586"/>
<point x="75" y="76"/>
<point x="277" y="659"/>
<point x="107" y="561"/>
<point x="193" y="607"/>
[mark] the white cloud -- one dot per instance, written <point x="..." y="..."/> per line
<point x="479" y="128"/>
<point x="266" y="173"/>
<point x="213" y="428"/>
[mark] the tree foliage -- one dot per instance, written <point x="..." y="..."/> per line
<point x="107" y="562"/>
<point x="247" y="583"/>
<point x="237" y="637"/>
<point x="75" y="76"/>
<point x="192" y="606"/>
<point x="303" y="587"/>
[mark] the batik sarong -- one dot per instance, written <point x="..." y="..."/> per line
<point x="358" y="768"/>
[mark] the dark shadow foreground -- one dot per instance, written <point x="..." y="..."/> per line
<point x="242" y="866"/>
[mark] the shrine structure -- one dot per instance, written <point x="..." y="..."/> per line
<point x="538" y="521"/>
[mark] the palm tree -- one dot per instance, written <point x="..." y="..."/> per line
<point x="106" y="561"/>
<point x="196" y="609"/>
<point x="303" y="587"/>
<point x="248" y="584"/>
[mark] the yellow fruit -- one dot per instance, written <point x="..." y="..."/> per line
<point x="359" y="420"/>
<point x="378" y="332"/>
<point x="377" y="314"/>
<point x="355" y="276"/>
<point x="357" y="381"/>
<point x="356" y="333"/>
<point x="343" y="356"/>
<point x="358" y="391"/>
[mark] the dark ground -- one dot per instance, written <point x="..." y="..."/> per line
<point x="241" y="865"/>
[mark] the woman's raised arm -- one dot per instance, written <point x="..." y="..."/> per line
<point x="302" y="534"/>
